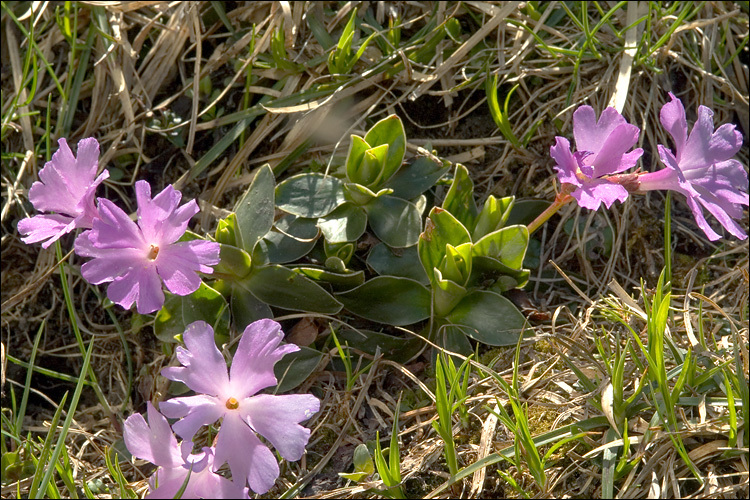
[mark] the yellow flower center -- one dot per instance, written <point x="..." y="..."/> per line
<point x="153" y="252"/>
<point x="232" y="404"/>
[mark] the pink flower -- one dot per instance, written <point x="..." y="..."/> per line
<point x="154" y="441"/>
<point x="601" y="151"/>
<point x="137" y="257"/>
<point x="702" y="168"/>
<point x="234" y="397"/>
<point x="67" y="188"/>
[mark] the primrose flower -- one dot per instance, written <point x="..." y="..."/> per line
<point x="137" y="257"/>
<point x="154" y="441"/>
<point x="601" y="151"/>
<point x="235" y="397"/>
<point x="67" y="188"/>
<point x="702" y="168"/>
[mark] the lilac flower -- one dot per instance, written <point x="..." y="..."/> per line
<point x="234" y="397"/>
<point x="154" y="441"/>
<point x="137" y="257"/>
<point x="67" y="188"/>
<point x="702" y="168"/>
<point x="601" y="151"/>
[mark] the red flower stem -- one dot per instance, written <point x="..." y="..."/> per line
<point x="561" y="200"/>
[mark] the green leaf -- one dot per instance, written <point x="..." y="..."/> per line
<point x="395" y="221"/>
<point x="398" y="349"/>
<point x="235" y="262"/>
<point x="205" y="304"/>
<point x="343" y="280"/>
<point x="354" y="158"/>
<point x="487" y="272"/>
<point x="256" y="209"/>
<point x="361" y="195"/>
<point x="389" y="131"/>
<point x="281" y="287"/>
<point x="397" y="262"/>
<point x="290" y="239"/>
<point x="346" y="223"/>
<point x="447" y="294"/>
<point x="456" y="265"/>
<point x="452" y="338"/>
<point x="525" y="211"/>
<point x="309" y="195"/>
<point x="362" y="459"/>
<point x="460" y="198"/>
<point x="371" y="169"/>
<point x="416" y="178"/>
<point x="389" y="300"/>
<point x="489" y="318"/>
<point x="508" y="245"/>
<point x="226" y="230"/>
<point x="441" y="229"/>
<point x="246" y="308"/>
<point x="493" y="216"/>
<point x="294" y="368"/>
<point x="341" y="251"/>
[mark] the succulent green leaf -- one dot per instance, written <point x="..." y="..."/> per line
<point x="489" y="318"/>
<point x="395" y="221"/>
<point x="205" y="304"/>
<point x="295" y="367"/>
<point x="525" y="211"/>
<point x="417" y="177"/>
<point x="397" y="262"/>
<point x="246" y="308"/>
<point x="362" y="459"/>
<point x="342" y="251"/>
<point x="346" y="223"/>
<point x="456" y="265"/>
<point x="399" y="349"/>
<point x="446" y="294"/>
<point x="309" y="195"/>
<point x="281" y="287"/>
<point x="235" y="262"/>
<point x="361" y="195"/>
<point x="389" y="131"/>
<point x="460" y="198"/>
<point x="290" y="239"/>
<point x="354" y="158"/>
<point x="389" y="300"/>
<point x="341" y="280"/>
<point x="226" y="230"/>
<point x="441" y="229"/>
<point x="371" y="168"/>
<point x="255" y="210"/>
<point x="493" y="216"/>
<point x="452" y="338"/>
<point x="508" y="245"/>
<point x="490" y="273"/>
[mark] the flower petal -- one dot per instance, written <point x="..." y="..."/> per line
<point x="277" y="419"/>
<point x="194" y="411"/>
<point x="42" y="227"/>
<point x="672" y="117"/>
<point x="153" y="441"/>
<point x="596" y="191"/>
<point x="138" y="285"/>
<point x="590" y="134"/>
<point x="177" y="264"/>
<point x="257" y="353"/>
<point x="611" y="158"/>
<point x="204" y="368"/>
<point x="248" y="458"/>
<point x="565" y="163"/>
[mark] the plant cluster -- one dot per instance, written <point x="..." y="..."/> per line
<point x="302" y="245"/>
